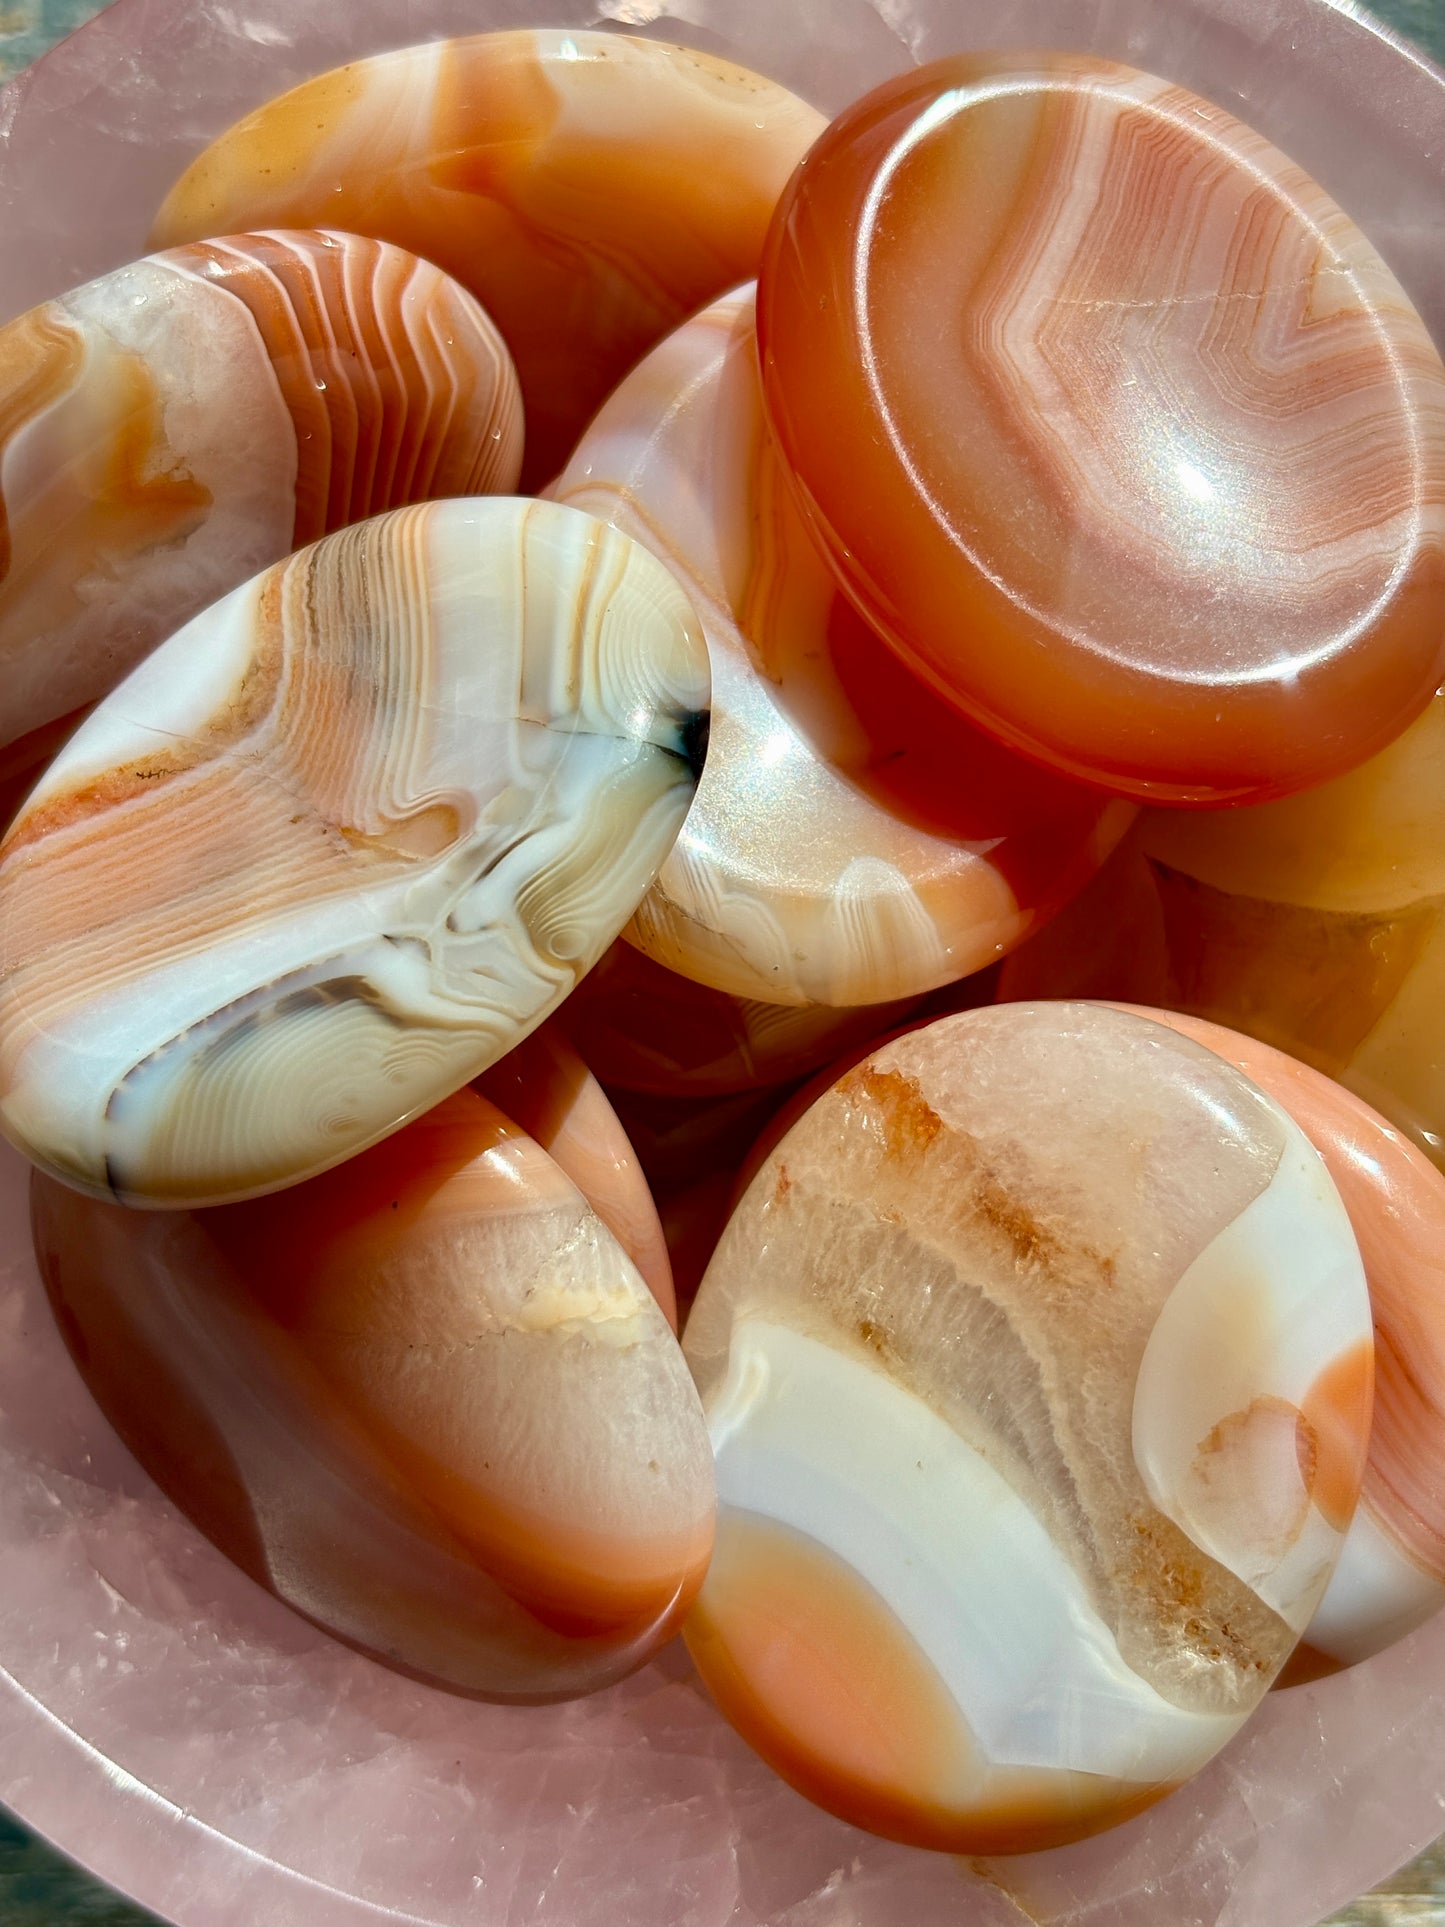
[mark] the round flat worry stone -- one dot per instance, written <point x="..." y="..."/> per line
<point x="1113" y="424"/>
<point x="1391" y="1571"/>
<point x="853" y="840"/>
<point x="1037" y="1362"/>
<point x="592" y="189"/>
<point x="338" y="844"/>
<point x="425" y="1398"/>
<point x="173" y="427"/>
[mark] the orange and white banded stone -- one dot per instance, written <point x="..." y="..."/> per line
<point x="172" y="428"/>
<point x="592" y="189"/>
<point x="1114" y="424"/>
<point x="1037" y="1362"/>
<point x="853" y="839"/>
<point x="1391" y="1572"/>
<point x="338" y="844"/>
<point x="426" y="1399"/>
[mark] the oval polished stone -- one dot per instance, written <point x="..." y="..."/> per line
<point x="426" y="1399"/>
<point x="173" y="427"/>
<point x="1391" y="1572"/>
<point x="338" y="844"/>
<point x="544" y="1086"/>
<point x="1114" y="424"/>
<point x="853" y="840"/>
<point x="1037" y="1362"/>
<point x="591" y="188"/>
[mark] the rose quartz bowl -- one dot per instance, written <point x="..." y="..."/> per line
<point x="201" y="1747"/>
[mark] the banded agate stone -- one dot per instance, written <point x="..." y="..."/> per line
<point x="426" y="1399"/>
<point x="339" y="844"/>
<point x="1114" y="424"/>
<point x="591" y="188"/>
<point x="1036" y="1360"/>
<point x="1391" y="1572"/>
<point x="853" y="840"/>
<point x="546" y="1089"/>
<point x="173" y="427"/>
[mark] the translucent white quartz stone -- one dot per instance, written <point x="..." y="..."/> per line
<point x="1037" y="1359"/>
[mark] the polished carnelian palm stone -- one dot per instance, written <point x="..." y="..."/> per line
<point x="1113" y="424"/>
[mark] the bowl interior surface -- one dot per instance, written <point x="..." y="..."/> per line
<point x="210" y="1753"/>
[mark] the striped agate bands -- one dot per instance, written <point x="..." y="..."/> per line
<point x="173" y="427"/>
<point x="1391" y="1571"/>
<point x="1145" y="468"/>
<point x="338" y="844"/>
<point x="854" y="840"/>
<point x="1037" y="1359"/>
<point x="591" y="189"/>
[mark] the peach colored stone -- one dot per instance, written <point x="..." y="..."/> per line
<point x="426" y="1399"/>
<point x="1391" y="1575"/>
<point x="170" y="1722"/>
<point x="543" y="1085"/>
<point x="1037" y="1360"/>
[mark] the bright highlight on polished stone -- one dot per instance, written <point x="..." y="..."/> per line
<point x="1144" y="467"/>
<point x="853" y="840"/>
<point x="592" y="189"/>
<point x="338" y="845"/>
<point x="426" y="1399"/>
<point x="1037" y="1360"/>
<point x="170" y="429"/>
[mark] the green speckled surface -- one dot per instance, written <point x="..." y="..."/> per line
<point x="40" y="1889"/>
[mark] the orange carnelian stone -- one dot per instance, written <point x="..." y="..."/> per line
<point x="1113" y="424"/>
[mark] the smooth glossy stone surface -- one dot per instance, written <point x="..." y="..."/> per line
<point x="426" y="1399"/>
<point x="1037" y="1361"/>
<point x="166" y="1719"/>
<point x="1114" y="423"/>
<point x="172" y="428"/>
<point x="853" y="840"/>
<point x="338" y="845"/>
<point x="543" y="1086"/>
<point x="646" y="1028"/>
<point x="1391" y="1573"/>
<point x="1313" y="923"/>
<point x="592" y="189"/>
<point x="1316" y="924"/>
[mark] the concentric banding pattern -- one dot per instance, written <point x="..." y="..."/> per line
<point x="592" y="189"/>
<point x="1037" y="1361"/>
<point x="173" y="427"/>
<point x="793" y="882"/>
<point x="338" y="844"/>
<point x="1146" y="468"/>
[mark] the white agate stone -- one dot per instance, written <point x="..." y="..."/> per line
<point x="339" y="844"/>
